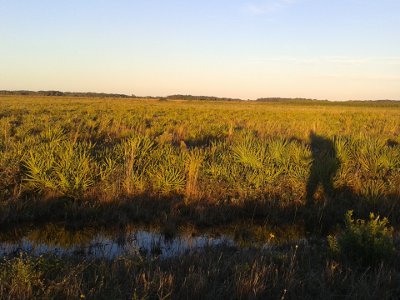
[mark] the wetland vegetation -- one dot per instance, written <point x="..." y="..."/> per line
<point x="280" y="200"/>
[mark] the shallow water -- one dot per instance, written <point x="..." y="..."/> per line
<point x="143" y="242"/>
<point x="92" y="242"/>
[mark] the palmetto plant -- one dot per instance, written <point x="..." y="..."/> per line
<point x="167" y="171"/>
<point x="126" y="147"/>
<point x="39" y="169"/>
<point x="73" y="169"/>
<point x="65" y="169"/>
<point x="250" y="152"/>
<point x="169" y="179"/>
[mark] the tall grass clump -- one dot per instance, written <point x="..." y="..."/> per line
<point x="193" y="163"/>
<point x="21" y="278"/>
<point x="136" y="159"/>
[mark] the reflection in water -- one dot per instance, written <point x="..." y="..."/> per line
<point x="55" y="239"/>
<point x="143" y="242"/>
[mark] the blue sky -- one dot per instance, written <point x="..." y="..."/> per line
<point x="341" y="49"/>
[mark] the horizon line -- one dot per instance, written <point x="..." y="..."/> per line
<point x="4" y="92"/>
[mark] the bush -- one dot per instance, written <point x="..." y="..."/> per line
<point x="367" y="243"/>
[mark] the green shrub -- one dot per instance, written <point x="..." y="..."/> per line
<point x="364" y="242"/>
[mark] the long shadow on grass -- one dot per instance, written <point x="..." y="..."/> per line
<point x="325" y="165"/>
<point x="319" y="217"/>
<point x="325" y="203"/>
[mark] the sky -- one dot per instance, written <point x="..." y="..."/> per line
<point x="324" y="49"/>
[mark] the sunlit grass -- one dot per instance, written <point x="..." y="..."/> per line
<point x="109" y="148"/>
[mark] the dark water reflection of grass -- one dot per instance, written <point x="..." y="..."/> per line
<point x="150" y="240"/>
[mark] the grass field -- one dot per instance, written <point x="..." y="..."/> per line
<point x="117" y="161"/>
<point x="94" y="152"/>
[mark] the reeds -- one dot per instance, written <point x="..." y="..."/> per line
<point x="301" y="272"/>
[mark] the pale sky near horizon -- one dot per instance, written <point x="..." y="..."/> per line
<point x="325" y="49"/>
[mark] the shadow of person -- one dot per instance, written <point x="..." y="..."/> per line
<point x="324" y="167"/>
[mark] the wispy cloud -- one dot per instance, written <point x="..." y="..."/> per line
<point x="267" y="6"/>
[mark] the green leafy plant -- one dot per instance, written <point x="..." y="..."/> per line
<point x="169" y="179"/>
<point x="365" y="242"/>
<point x="64" y="169"/>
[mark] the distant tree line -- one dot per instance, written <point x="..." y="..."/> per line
<point x="305" y="101"/>
<point x="299" y="101"/>
<point x="61" y="94"/>
<point x="108" y="95"/>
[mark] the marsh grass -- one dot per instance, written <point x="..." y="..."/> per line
<point x="205" y="154"/>
<point x="99" y="162"/>
<point x="302" y="271"/>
